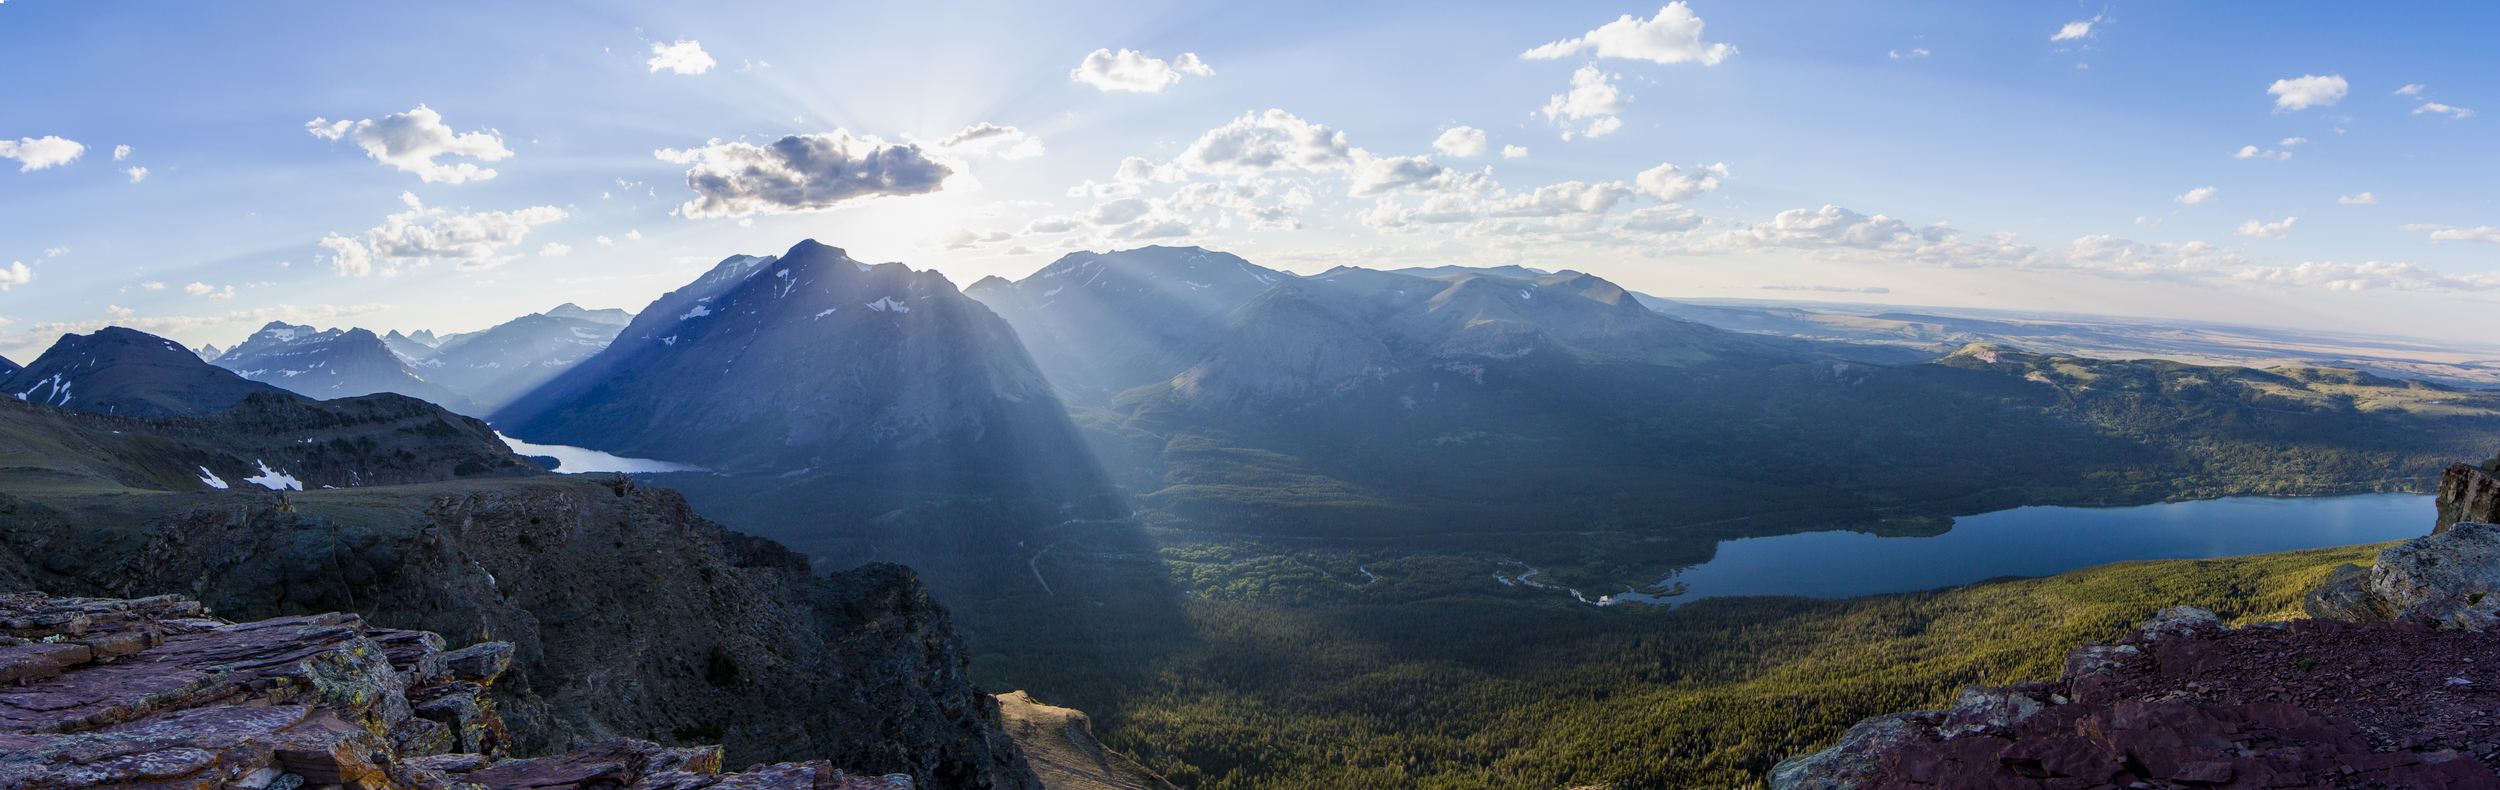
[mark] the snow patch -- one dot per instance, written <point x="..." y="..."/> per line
<point x="274" y="480"/>
<point x="1523" y="294"/>
<point x="887" y="303"/>
<point x="211" y="479"/>
<point x="699" y="311"/>
<point x="828" y="311"/>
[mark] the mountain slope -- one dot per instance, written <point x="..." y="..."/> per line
<point x="7" y="367"/>
<point x="335" y="363"/>
<point x="129" y="373"/>
<point x="1099" y="323"/>
<point x="514" y="357"/>
<point x="640" y="339"/>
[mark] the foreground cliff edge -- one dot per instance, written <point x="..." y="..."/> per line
<point x="152" y="693"/>
<point x="2389" y="682"/>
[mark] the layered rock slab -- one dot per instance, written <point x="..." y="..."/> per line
<point x="2185" y="702"/>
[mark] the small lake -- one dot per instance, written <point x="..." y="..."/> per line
<point x="2045" y="541"/>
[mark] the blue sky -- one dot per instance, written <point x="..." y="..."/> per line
<point x="1812" y="150"/>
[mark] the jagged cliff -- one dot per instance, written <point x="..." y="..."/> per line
<point x="152" y="693"/>
<point x="628" y="613"/>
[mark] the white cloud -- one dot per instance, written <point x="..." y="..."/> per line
<point x="1514" y="151"/>
<point x="2410" y="90"/>
<point x="2292" y="141"/>
<point x="2200" y="196"/>
<point x="1670" y="184"/>
<point x="606" y="242"/>
<point x="2363" y="199"/>
<point x="1260" y="142"/>
<point x="684" y="57"/>
<point x="2486" y="234"/>
<point x="37" y="153"/>
<point x="469" y="239"/>
<point x="2308" y="91"/>
<point x="1569" y="197"/>
<point x="291" y="314"/>
<point x="1461" y="141"/>
<point x="153" y="285"/>
<point x="2437" y="107"/>
<point x="2252" y="152"/>
<point x="1375" y="176"/>
<point x="1593" y="94"/>
<point x="1603" y="126"/>
<point x="554" y="250"/>
<point x="986" y="139"/>
<point x="204" y="289"/>
<point x="1664" y="219"/>
<point x="1915" y="53"/>
<point x="633" y="235"/>
<point x="121" y="152"/>
<point x="2075" y="30"/>
<point x="410" y="141"/>
<point x="802" y="172"/>
<point x="15" y="274"/>
<point x="2150" y="222"/>
<point x="137" y="174"/>
<point x="1134" y="72"/>
<point x="2265" y="230"/>
<point x="1673" y="36"/>
<point x="2363" y="276"/>
<point x="962" y="239"/>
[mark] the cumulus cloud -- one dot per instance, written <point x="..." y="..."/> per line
<point x="2363" y="277"/>
<point x="554" y="250"/>
<point x="410" y="141"/>
<point x="2363" y="199"/>
<point x="2253" y="152"/>
<point x="419" y="235"/>
<point x="1664" y="219"/>
<point x="136" y="174"/>
<point x="15" y="274"/>
<point x="1673" y="36"/>
<point x="1593" y="94"/>
<point x="2075" y="30"/>
<point x="37" y="153"/>
<point x="1514" y="151"/>
<point x="2265" y="230"/>
<point x="606" y="242"/>
<point x="121" y="152"/>
<point x="1569" y="197"/>
<point x="1670" y="184"/>
<point x="2410" y="90"/>
<point x="1375" y="176"/>
<point x="2200" y="196"/>
<point x="1134" y="72"/>
<point x="802" y="172"/>
<point x="684" y="57"/>
<point x="152" y="285"/>
<point x="2308" y="90"/>
<point x="2486" y="234"/>
<point x="1260" y="142"/>
<point x="987" y="139"/>
<point x="204" y="289"/>
<point x="2436" y="107"/>
<point x="1461" y="141"/>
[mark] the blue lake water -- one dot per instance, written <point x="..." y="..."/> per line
<point x="2044" y="541"/>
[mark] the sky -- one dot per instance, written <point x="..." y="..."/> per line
<point x="197" y="170"/>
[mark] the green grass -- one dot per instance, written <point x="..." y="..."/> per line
<point x="1283" y="673"/>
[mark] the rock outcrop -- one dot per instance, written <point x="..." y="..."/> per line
<point x="152" y="693"/>
<point x="2186" y="702"/>
<point x="2469" y="492"/>
<point x="2446" y="579"/>
<point x="627" y="614"/>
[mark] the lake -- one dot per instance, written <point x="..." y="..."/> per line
<point x="2044" y="541"/>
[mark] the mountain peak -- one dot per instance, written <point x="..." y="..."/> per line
<point x="118" y="370"/>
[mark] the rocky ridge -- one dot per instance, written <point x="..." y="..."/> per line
<point x="272" y="440"/>
<point x="129" y="373"/>
<point x="153" y="693"/>
<point x="2389" y="682"/>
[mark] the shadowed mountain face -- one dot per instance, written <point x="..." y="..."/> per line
<point x="515" y="357"/>
<point x="815" y="361"/>
<point x="1102" y="323"/>
<point x="7" y="367"/>
<point x="274" y="440"/>
<point x="129" y="373"/>
<point x="336" y="363"/>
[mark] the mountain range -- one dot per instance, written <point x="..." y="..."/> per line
<point x="129" y="373"/>
<point x="334" y="363"/>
